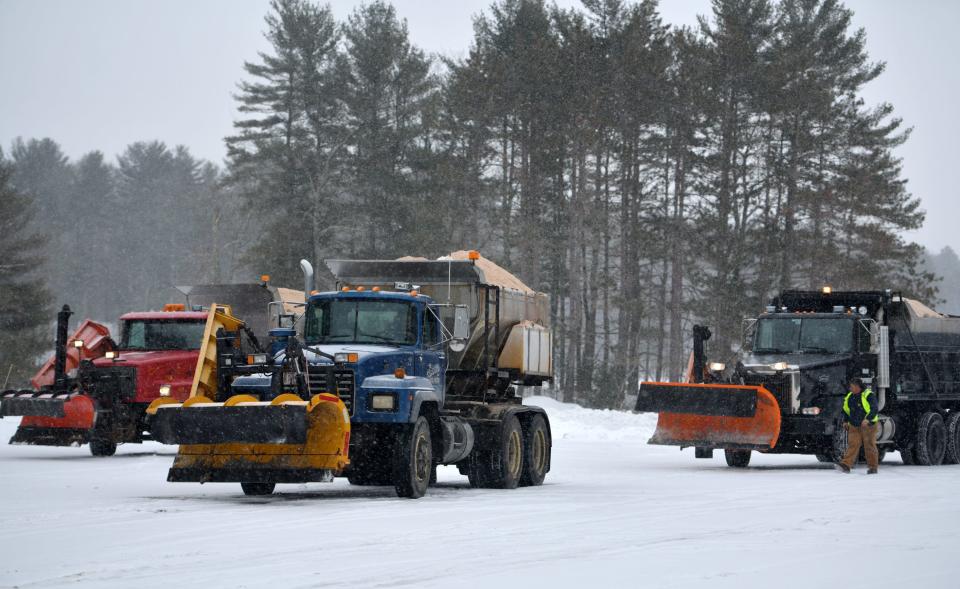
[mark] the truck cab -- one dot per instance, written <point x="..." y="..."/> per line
<point x="388" y="346"/>
<point x="156" y="356"/>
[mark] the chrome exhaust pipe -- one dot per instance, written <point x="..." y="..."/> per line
<point x="308" y="284"/>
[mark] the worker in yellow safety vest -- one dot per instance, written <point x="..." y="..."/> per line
<point x="860" y="411"/>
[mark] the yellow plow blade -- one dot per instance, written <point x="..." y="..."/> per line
<point x="311" y="441"/>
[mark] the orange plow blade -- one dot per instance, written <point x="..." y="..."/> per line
<point x="52" y="420"/>
<point x="712" y="415"/>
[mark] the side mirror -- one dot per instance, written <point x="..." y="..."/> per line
<point x="461" y="328"/>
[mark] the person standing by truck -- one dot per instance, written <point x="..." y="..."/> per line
<point x="860" y="411"/>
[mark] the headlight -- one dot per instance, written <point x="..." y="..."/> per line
<point x="78" y="343"/>
<point x="256" y="359"/>
<point x="110" y="355"/>
<point x="343" y="357"/>
<point x="779" y="366"/>
<point x="717" y="366"/>
<point x="164" y="390"/>
<point x="810" y="411"/>
<point x="383" y="402"/>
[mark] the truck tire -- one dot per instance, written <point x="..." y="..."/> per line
<point x="257" y="489"/>
<point x="931" y="439"/>
<point x="953" y="438"/>
<point x="500" y="466"/>
<point x="737" y="458"/>
<point x="821" y="457"/>
<point x="413" y="461"/>
<point x="536" y="452"/>
<point x="102" y="448"/>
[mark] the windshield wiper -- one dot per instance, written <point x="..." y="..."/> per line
<point x="377" y="336"/>
<point x="771" y="351"/>
<point x="814" y="350"/>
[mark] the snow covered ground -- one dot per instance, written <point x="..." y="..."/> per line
<point x="614" y="512"/>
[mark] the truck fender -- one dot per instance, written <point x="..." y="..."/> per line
<point x="420" y="387"/>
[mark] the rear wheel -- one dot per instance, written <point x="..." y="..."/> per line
<point x="413" y="462"/>
<point x="953" y="438"/>
<point x="102" y="448"/>
<point x="501" y="466"/>
<point x="536" y="452"/>
<point x="737" y="458"/>
<point x="256" y="489"/>
<point x="931" y="439"/>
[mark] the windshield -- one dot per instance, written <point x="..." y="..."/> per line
<point x="141" y="334"/>
<point x="361" y="322"/>
<point x="813" y="335"/>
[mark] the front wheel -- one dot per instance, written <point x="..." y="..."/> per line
<point x="737" y="458"/>
<point x="257" y="489"/>
<point x="413" y="463"/>
<point x="825" y="457"/>
<point x="102" y="448"/>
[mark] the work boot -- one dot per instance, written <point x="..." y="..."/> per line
<point x="871" y="471"/>
<point x="843" y="468"/>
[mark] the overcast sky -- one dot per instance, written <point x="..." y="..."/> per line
<point x="100" y="74"/>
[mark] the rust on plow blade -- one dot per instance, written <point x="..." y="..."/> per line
<point x="712" y="415"/>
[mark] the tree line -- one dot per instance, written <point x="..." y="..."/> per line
<point x="645" y="177"/>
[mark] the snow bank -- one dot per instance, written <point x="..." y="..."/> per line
<point x="573" y="422"/>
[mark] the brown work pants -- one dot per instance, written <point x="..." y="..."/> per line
<point x="857" y="436"/>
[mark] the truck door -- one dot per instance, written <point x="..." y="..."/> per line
<point x="430" y="358"/>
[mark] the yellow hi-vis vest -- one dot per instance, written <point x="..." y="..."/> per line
<point x="863" y="401"/>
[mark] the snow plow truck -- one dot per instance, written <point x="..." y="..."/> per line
<point x="407" y="365"/>
<point x="785" y="394"/>
<point x="95" y="390"/>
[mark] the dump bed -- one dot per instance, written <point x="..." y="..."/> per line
<point x="524" y="314"/>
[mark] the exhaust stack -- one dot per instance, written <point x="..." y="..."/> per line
<point x="308" y="282"/>
<point x="60" y="358"/>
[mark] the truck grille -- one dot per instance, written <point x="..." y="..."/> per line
<point x="110" y="381"/>
<point x="346" y="386"/>
<point x="778" y="386"/>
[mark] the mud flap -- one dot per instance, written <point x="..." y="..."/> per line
<point x="712" y="415"/>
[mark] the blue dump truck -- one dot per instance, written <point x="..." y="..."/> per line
<point x="407" y="365"/>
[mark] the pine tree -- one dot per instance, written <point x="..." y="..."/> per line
<point x="284" y="158"/>
<point x="96" y="222"/>
<point x="388" y="89"/>
<point x="42" y="172"/>
<point x="158" y="190"/>
<point x="25" y="302"/>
